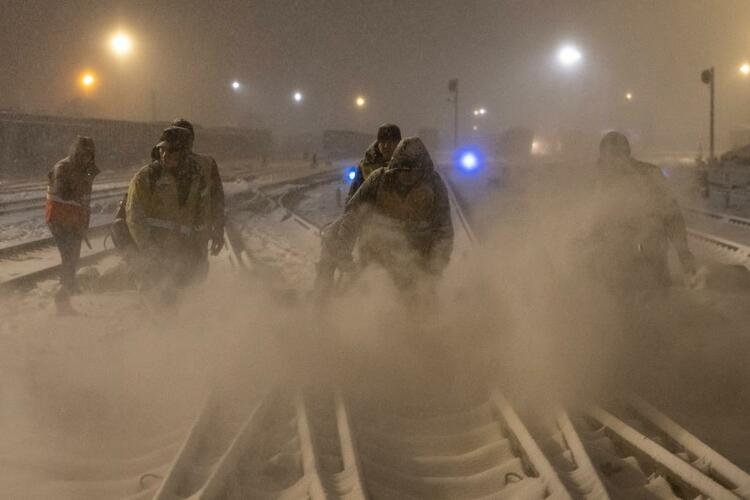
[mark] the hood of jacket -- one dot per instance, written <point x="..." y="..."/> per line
<point x="81" y="147"/>
<point x="373" y="159"/>
<point x="411" y="154"/>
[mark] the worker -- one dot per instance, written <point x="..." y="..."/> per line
<point x="640" y="219"/>
<point x="400" y="217"/>
<point x="67" y="212"/>
<point x="377" y="155"/>
<point x="166" y="215"/>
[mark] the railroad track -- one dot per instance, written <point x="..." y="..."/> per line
<point x="329" y="444"/>
<point x="26" y="264"/>
<point x="37" y="203"/>
<point x="328" y="441"/>
<point x="345" y="441"/>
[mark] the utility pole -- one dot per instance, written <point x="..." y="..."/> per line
<point x="453" y="89"/>
<point x="708" y="77"/>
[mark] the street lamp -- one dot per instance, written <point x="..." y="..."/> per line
<point x="297" y="96"/>
<point x="88" y="80"/>
<point x="236" y="85"/>
<point x="628" y="96"/>
<point x="569" y="55"/>
<point x="745" y="69"/>
<point x="121" y="43"/>
<point x="360" y="102"/>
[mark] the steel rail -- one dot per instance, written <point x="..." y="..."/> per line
<point x="715" y="465"/>
<point x="534" y="458"/>
<point x="682" y="475"/>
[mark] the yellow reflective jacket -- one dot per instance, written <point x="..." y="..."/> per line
<point x="214" y="200"/>
<point x="154" y="212"/>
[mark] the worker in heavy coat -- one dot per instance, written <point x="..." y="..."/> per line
<point x="401" y="218"/>
<point x="67" y="211"/>
<point x="639" y="219"/>
<point x="166" y="212"/>
<point x="377" y="156"/>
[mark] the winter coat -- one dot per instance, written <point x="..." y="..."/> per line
<point x="639" y="219"/>
<point x="401" y="214"/>
<point x="372" y="161"/>
<point x="69" y="190"/>
<point x="165" y="210"/>
<point x="215" y="197"/>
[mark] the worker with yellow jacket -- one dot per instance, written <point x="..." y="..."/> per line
<point x="166" y="212"/>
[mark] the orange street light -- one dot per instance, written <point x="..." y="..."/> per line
<point x="88" y="79"/>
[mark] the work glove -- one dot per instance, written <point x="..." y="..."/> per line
<point x="217" y="242"/>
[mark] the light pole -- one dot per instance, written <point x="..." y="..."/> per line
<point x="453" y="89"/>
<point x="708" y="77"/>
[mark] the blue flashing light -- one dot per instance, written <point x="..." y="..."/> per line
<point x="350" y="173"/>
<point x="469" y="160"/>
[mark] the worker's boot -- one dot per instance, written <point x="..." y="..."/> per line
<point x="63" y="307"/>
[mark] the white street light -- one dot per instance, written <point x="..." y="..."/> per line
<point x="482" y="111"/>
<point x="121" y="43"/>
<point x="745" y="69"/>
<point x="297" y="96"/>
<point x="236" y="85"/>
<point x="569" y="55"/>
<point x="629" y="96"/>
<point x="360" y="102"/>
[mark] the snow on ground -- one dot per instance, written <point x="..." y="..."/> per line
<point x="93" y="401"/>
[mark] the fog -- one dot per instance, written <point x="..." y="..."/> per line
<point x="84" y="399"/>
<point x="399" y="55"/>
<point x="520" y="312"/>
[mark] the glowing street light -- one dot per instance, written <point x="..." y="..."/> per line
<point x="121" y="43"/>
<point x="482" y="111"/>
<point x="360" y="102"/>
<point x="236" y="85"/>
<point x="569" y="55"/>
<point x="88" y="80"/>
<point x="629" y="96"/>
<point x="745" y="69"/>
<point x="297" y="96"/>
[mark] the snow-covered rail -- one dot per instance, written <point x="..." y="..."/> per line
<point x="37" y="203"/>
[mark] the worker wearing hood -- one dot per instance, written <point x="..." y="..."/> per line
<point x="400" y="216"/>
<point x="67" y="211"/>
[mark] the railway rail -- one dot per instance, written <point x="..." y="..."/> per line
<point x="324" y="441"/>
<point x="319" y="441"/>
<point x="27" y="263"/>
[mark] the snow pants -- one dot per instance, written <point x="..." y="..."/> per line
<point x="68" y="241"/>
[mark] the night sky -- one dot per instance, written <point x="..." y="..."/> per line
<point x="398" y="54"/>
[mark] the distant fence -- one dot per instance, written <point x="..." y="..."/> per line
<point x="31" y="144"/>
